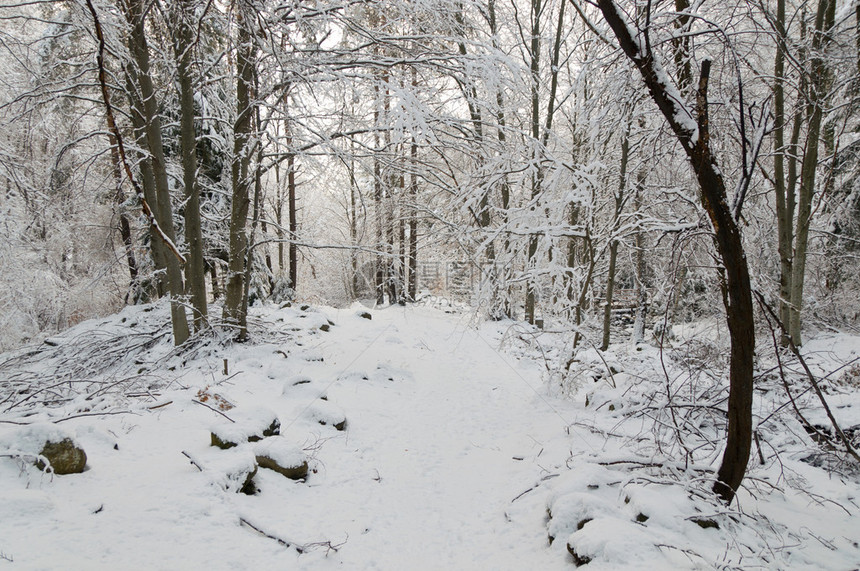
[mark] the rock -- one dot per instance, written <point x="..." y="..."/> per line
<point x="232" y="470"/>
<point x="325" y="327"/>
<point x="327" y="414"/>
<point x="303" y="387"/>
<point x="705" y="523"/>
<point x="577" y="559"/>
<point x="47" y="441"/>
<point x="364" y="315"/>
<point x="65" y="457"/>
<point x="250" y="425"/>
<point x="279" y="455"/>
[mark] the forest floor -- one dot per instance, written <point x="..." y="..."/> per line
<point x="459" y="445"/>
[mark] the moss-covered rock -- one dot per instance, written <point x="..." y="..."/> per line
<point x="282" y="457"/>
<point x="46" y="444"/>
<point x="65" y="457"/>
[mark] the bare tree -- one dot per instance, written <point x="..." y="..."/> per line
<point x="692" y="130"/>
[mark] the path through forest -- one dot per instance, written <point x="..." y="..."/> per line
<point x="438" y="454"/>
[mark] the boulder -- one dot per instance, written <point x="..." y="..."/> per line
<point x="48" y="445"/>
<point x="281" y="456"/>
<point x="249" y="425"/>
<point x="327" y="414"/>
<point x="65" y="456"/>
<point x="232" y="470"/>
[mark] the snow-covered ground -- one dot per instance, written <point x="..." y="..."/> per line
<point x="454" y="454"/>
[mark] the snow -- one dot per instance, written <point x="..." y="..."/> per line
<point x="457" y="451"/>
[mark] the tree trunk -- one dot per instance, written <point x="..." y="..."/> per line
<point x="292" y="209"/>
<point x="534" y="64"/>
<point x="613" y="240"/>
<point x="738" y="295"/>
<point x="195" y="270"/>
<point x="641" y="290"/>
<point x="815" y="111"/>
<point x="378" y="261"/>
<point x="152" y="128"/>
<point x="147" y="182"/>
<point x="235" y="283"/>
<point x="412" y="280"/>
<point x="784" y="203"/>
<point x="124" y="225"/>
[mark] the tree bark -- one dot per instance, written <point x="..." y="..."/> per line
<point x="815" y="111"/>
<point x="613" y="240"/>
<point x="147" y="182"/>
<point x="124" y="225"/>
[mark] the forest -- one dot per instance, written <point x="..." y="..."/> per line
<point x="655" y="203"/>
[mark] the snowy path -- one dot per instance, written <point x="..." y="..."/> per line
<point x="448" y="445"/>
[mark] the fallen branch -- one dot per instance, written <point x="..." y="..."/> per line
<point x="105" y="413"/>
<point x="193" y="461"/>
<point x="284" y="542"/>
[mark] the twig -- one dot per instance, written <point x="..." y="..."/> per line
<point x="285" y="543"/>
<point x="193" y="461"/>
<point x="160" y="405"/>
<point x="212" y="409"/>
<point x="106" y="413"/>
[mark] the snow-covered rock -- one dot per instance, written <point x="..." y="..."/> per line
<point x="283" y="457"/>
<point x="247" y="425"/>
<point x="49" y="446"/>
<point x="232" y="470"/>
<point x="327" y="414"/>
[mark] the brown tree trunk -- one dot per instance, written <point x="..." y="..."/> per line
<point x="195" y="270"/>
<point x="147" y="182"/>
<point x="738" y="294"/>
<point x="412" y="280"/>
<point x="235" y="283"/>
<point x="124" y="225"/>
<point x="815" y="112"/>
<point x="163" y="211"/>
<point x="613" y="240"/>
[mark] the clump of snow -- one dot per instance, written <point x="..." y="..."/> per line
<point x="614" y="543"/>
<point x="387" y="372"/>
<point x="232" y="470"/>
<point x="304" y="388"/>
<point x="570" y="512"/>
